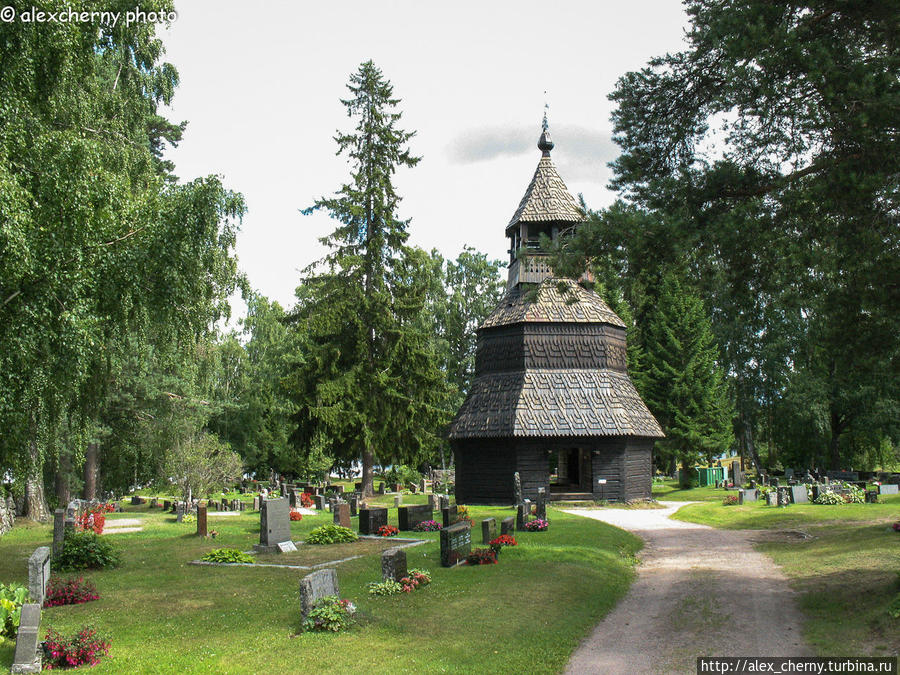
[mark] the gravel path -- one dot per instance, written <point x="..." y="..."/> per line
<point x="699" y="592"/>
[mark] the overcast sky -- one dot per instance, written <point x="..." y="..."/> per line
<point x="261" y="83"/>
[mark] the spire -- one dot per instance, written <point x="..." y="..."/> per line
<point x="545" y="144"/>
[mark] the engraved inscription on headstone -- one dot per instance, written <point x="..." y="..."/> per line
<point x="456" y="544"/>
<point x="508" y="525"/>
<point x="488" y="530"/>
<point x="410" y="516"/>
<point x="315" y="586"/>
<point x="274" y="525"/>
<point x="371" y="519"/>
<point x="393" y="564"/>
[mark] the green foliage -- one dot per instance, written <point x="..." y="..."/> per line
<point x="330" y="534"/>
<point x="227" y="555"/>
<point x="386" y="587"/>
<point x="201" y="462"/>
<point x="12" y="597"/>
<point x="403" y="474"/>
<point x="330" y="614"/>
<point x="86" y="550"/>
<point x="368" y="380"/>
<point x="894" y="607"/>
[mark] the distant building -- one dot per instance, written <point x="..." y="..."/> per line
<point x="551" y="397"/>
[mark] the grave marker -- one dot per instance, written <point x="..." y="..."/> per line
<point x="371" y="519"/>
<point x="39" y="573"/>
<point x="342" y="515"/>
<point x="488" y="530"/>
<point x="398" y="500"/>
<point x="393" y="564"/>
<point x="542" y="503"/>
<point x="354" y="504"/>
<point x="448" y="515"/>
<point x="201" y="520"/>
<point x="320" y="502"/>
<point x="179" y="512"/>
<point x="747" y="496"/>
<point x="274" y="525"/>
<point x="521" y="516"/>
<point x="315" y="586"/>
<point x="410" y="516"/>
<point x="508" y="526"/>
<point x="799" y="495"/>
<point x="456" y="544"/>
<point x="27" y="657"/>
<point x="886" y="489"/>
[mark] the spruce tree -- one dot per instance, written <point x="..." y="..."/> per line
<point x="369" y="386"/>
<point x="685" y="387"/>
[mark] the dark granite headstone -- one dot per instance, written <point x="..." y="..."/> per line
<point x="274" y="525"/>
<point x="381" y="488"/>
<point x="445" y="502"/>
<point x="410" y="516"/>
<point x="456" y="544"/>
<point x="871" y="496"/>
<point x="508" y="526"/>
<point x="179" y="512"/>
<point x="135" y="500"/>
<point x="371" y="519"/>
<point x="315" y="586"/>
<point x="488" y="530"/>
<point x="354" y="504"/>
<point x="843" y="475"/>
<point x="522" y="513"/>
<point x="320" y="502"/>
<point x="393" y="564"/>
<point x="341" y="514"/>
<point x="541" y="503"/>
<point x="201" y="520"/>
<point x="448" y="515"/>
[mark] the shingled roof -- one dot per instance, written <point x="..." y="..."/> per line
<point x="547" y="198"/>
<point x="554" y="300"/>
<point x="552" y="403"/>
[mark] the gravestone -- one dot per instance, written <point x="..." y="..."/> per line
<point x="201" y="520"/>
<point x="179" y="512"/>
<point x="315" y="586"/>
<point x="784" y="496"/>
<point x="59" y="530"/>
<point x="39" y="573"/>
<point x="166" y="504"/>
<point x="357" y="487"/>
<point x="434" y="501"/>
<point x="381" y="488"/>
<point x="28" y="656"/>
<point x="747" y="496"/>
<point x="256" y="503"/>
<point x="448" y="515"/>
<point x="887" y="489"/>
<point x="393" y="564"/>
<point x="135" y="500"/>
<point x="414" y="488"/>
<point x="849" y="476"/>
<point x="521" y="517"/>
<point x="154" y="503"/>
<point x="508" y="526"/>
<point x="398" y="500"/>
<point x="772" y="498"/>
<point x="871" y="496"/>
<point x="799" y="495"/>
<point x="445" y="502"/>
<point x="341" y="515"/>
<point x="332" y="503"/>
<point x="397" y="487"/>
<point x="338" y="488"/>
<point x="274" y="525"/>
<point x="410" y="516"/>
<point x="542" y="503"/>
<point x="789" y="473"/>
<point x="320" y="502"/>
<point x="354" y="504"/>
<point x="456" y="544"/>
<point x="371" y="519"/>
<point x="488" y="530"/>
<point x="517" y="487"/>
<point x="294" y="499"/>
<point x="423" y="486"/>
<point x="737" y="476"/>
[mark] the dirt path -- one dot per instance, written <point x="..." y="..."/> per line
<point x="699" y="592"/>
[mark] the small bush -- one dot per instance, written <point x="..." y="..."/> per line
<point x="829" y="498"/>
<point x="330" y="613"/>
<point x="86" y="647"/>
<point x="414" y="579"/>
<point x="501" y="541"/>
<point x="227" y="555"/>
<point x="428" y="526"/>
<point x="537" y="525"/>
<point x="296" y="516"/>
<point x="386" y="587"/>
<point x="331" y="534"/>
<point x="730" y="500"/>
<point x="69" y="592"/>
<point x="188" y="518"/>
<point x="12" y="597"/>
<point x="482" y="556"/>
<point x="387" y="531"/>
<point x="86" y="550"/>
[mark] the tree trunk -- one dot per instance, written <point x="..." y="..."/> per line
<point x="368" y="459"/>
<point x="35" y="504"/>
<point x="90" y="472"/>
<point x="7" y="516"/>
<point x="63" y="472"/>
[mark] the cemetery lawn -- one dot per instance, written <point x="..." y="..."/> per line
<point x="846" y="574"/>
<point x="163" y="615"/>
<point x="670" y="490"/>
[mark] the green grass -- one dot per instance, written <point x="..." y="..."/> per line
<point x="526" y="614"/>
<point x="670" y="490"/>
<point x="846" y="573"/>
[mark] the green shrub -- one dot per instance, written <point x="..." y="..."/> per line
<point x="12" y="597"/>
<point x="829" y="498"/>
<point x="386" y="587"/>
<point x="86" y="550"/>
<point x="894" y="607"/>
<point x="330" y="613"/>
<point x="402" y="474"/>
<point x="331" y="534"/>
<point x="227" y="555"/>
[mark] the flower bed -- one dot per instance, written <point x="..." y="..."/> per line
<point x="86" y="647"/>
<point x="501" y="541"/>
<point x="69" y="592"/>
<point x="537" y="525"/>
<point x="94" y="518"/>
<point x="296" y="515"/>
<point x="387" y="531"/>
<point x="414" y="579"/>
<point x="482" y="556"/>
<point x="306" y="500"/>
<point x="428" y="526"/>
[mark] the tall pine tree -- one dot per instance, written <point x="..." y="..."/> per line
<point x="369" y="386"/>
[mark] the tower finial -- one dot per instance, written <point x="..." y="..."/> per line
<point x="545" y="144"/>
